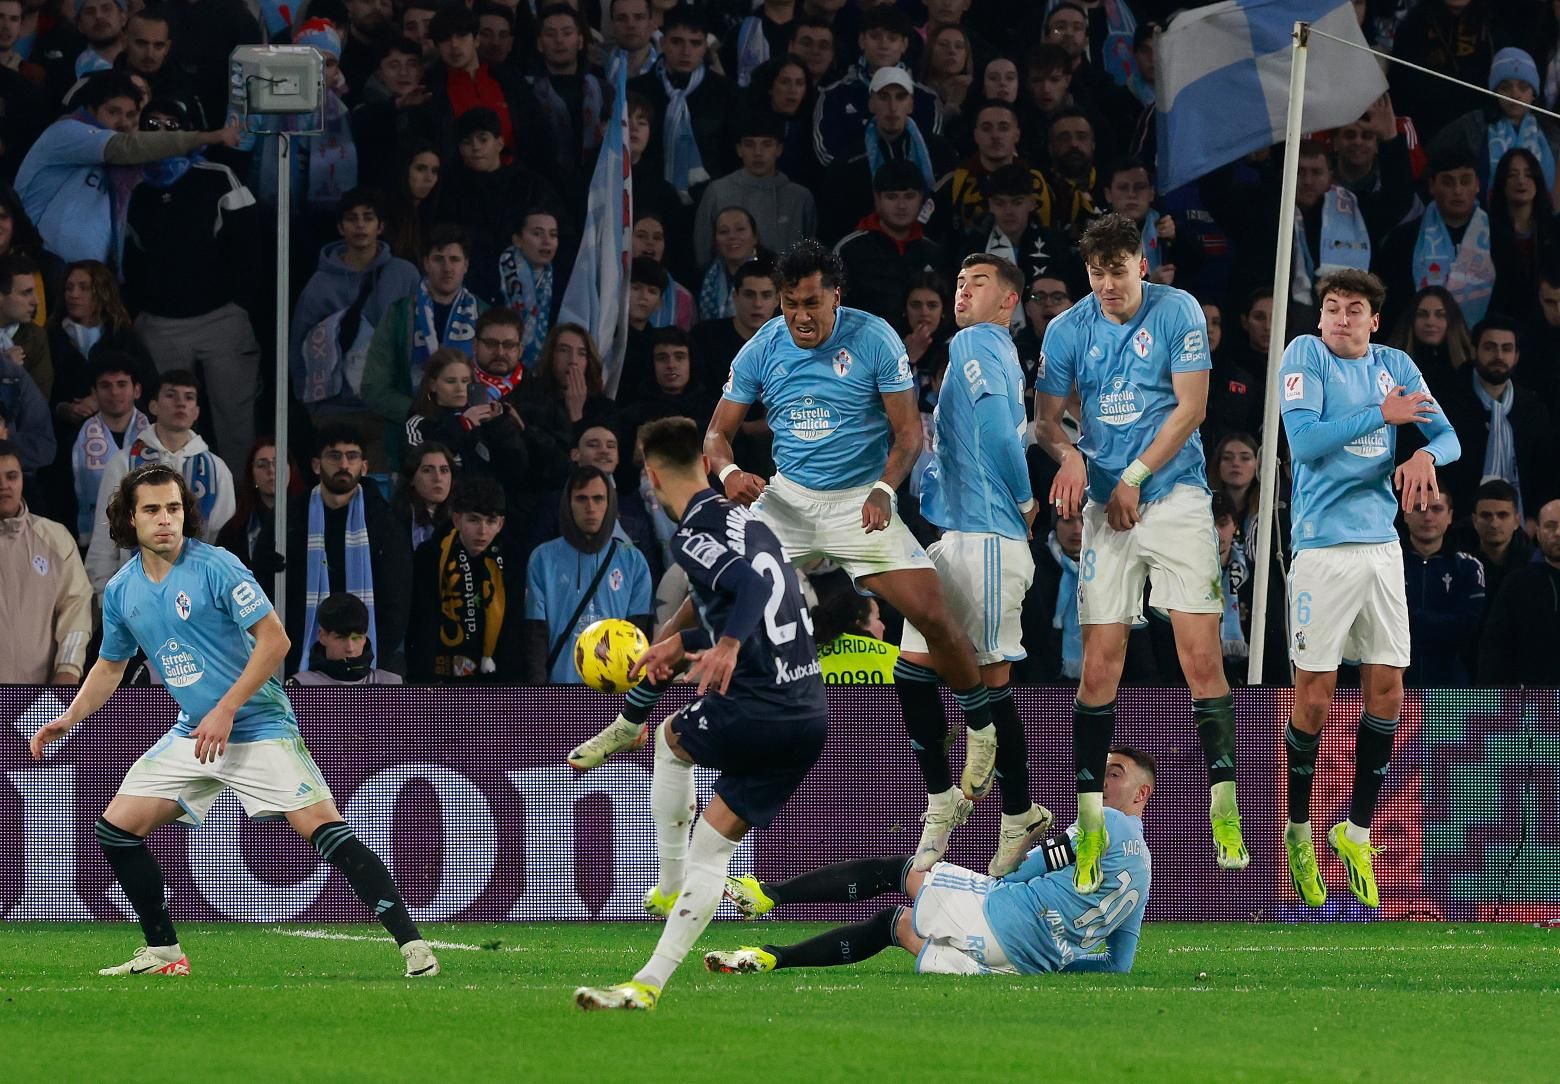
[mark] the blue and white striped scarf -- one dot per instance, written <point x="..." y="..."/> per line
<point x="716" y="292"/>
<point x="199" y="470"/>
<point x="529" y="293"/>
<point x="459" y="331"/>
<point x="95" y="446"/>
<point x="684" y="165"/>
<point x="1503" y="135"/>
<point x="1500" y="454"/>
<point x="752" y="48"/>
<point x="359" y="573"/>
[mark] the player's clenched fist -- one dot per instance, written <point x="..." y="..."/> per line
<point x="742" y="487"/>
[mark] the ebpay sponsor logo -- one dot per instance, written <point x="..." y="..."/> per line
<point x="180" y="664"/>
<point x="810" y="418"/>
<point x="1120" y="403"/>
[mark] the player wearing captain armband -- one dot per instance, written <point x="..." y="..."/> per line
<point x="1033" y="921"/>
<point x="1137" y="353"/>
<point x="1343" y="398"/>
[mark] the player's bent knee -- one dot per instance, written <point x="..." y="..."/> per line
<point x="904" y="932"/>
<point x="140" y="815"/>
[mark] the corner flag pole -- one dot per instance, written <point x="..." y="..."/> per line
<point x="1267" y="496"/>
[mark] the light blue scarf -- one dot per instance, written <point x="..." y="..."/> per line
<point x="918" y="153"/>
<point x="555" y="115"/>
<point x="715" y="292"/>
<point x="199" y="470"/>
<point x="1500" y="454"/>
<point x="675" y="301"/>
<point x="95" y="446"/>
<point x="460" y="330"/>
<point x="1503" y="135"/>
<point x="1232" y="638"/>
<point x="359" y="573"/>
<point x="1345" y="242"/>
<point x="616" y="55"/>
<point x="1066" y="615"/>
<point x="684" y="165"/>
<point x="1153" y="252"/>
<point x="752" y="48"/>
<point x="1468" y="273"/>
<point x="529" y="292"/>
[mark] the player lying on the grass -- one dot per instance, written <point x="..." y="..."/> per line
<point x="1137" y="352"/>
<point x="760" y="719"/>
<point x="206" y="626"/>
<point x="975" y="486"/>
<point x="1032" y="921"/>
<point x="1343" y="399"/>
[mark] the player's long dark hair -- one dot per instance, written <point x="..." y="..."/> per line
<point x="122" y="504"/>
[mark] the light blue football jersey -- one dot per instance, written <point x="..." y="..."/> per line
<point x="1123" y="373"/>
<point x="1044" y="924"/>
<point x="825" y="405"/>
<point x="1343" y="449"/>
<point x="193" y="627"/>
<point x="558" y="574"/>
<point x="976" y="476"/>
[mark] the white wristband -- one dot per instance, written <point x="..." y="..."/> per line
<point x="1136" y="473"/>
<point x="1025" y="508"/>
<point x="726" y="471"/>
<point x="886" y="488"/>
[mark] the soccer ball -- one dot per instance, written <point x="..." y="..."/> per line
<point x="605" y="651"/>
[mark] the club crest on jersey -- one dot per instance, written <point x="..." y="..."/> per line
<point x="1142" y="342"/>
<point x="1384" y="382"/>
<point x="182" y="606"/>
<point x="615" y="579"/>
<point x="842" y="362"/>
<point x="40" y="564"/>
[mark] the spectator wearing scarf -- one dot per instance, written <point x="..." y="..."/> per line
<point x="351" y="542"/>
<point x="695" y="138"/>
<point x="736" y="242"/>
<point x="525" y="272"/>
<point x="1330" y="232"/>
<point x="466" y="595"/>
<point x="842" y="107"/>
<point x="1488" y="133"/>
<point x="570" y="101"/>
<point x="1448" y="246"/>
<point x="442" y="312"/>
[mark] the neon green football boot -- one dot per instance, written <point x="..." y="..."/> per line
<point x="658" y="904"/>
<point x="1303" y="873"/>
<point x="1228" y="844"/>
<point x="1356" y="860"/>
<point x="640" y="996"/>
<point x="1089" y="851"/>
<point x="748" y="894"/>
<point x="747" y="960"/>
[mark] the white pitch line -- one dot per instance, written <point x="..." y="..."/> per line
<point x="328" y="935"/>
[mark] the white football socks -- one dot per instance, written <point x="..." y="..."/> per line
<point x="1354" y="833"/>
<point x="701" y="894"/>
<point x="672" y="805"/>
<point x="1091" y="810"/>
<point x="1221" y="797"/>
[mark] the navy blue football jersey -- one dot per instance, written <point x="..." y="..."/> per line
<point x="777" y="672"/>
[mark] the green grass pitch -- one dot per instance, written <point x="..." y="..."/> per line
<point x="1384" y="1002"/>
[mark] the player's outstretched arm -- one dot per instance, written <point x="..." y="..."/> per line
<point x="739" y="485"/>
<point x="99" y="685"/>
<point x="271" y="645"/>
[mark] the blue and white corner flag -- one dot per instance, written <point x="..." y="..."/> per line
<point x="597" y="294"/>
<point x="1222" y="79"/>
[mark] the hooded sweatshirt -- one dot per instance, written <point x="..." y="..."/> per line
<point x="335" y="286"/>
<point x="557" y="578"/>
<point x="207" y="474"/>
<point x="784" y="210"/>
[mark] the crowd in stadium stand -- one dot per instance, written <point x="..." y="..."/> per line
<point x="458" y="463"/>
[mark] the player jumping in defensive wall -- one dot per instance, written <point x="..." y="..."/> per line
<point x="1343" y="398"/>
<point x="209" y="630"/>
<point x="1138" y="354"/>
<point x="963" y="923"/>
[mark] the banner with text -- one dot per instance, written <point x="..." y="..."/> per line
<point x="467" y="796"/>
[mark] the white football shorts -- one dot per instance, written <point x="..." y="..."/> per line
<point x="1174" y="549"/>
<point x="271" y="777"/>
<point x="950" y="913"/>
<point x="985" y="578"/>
<point x="814" y="524"/>
<point x="1348" y="603"/>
